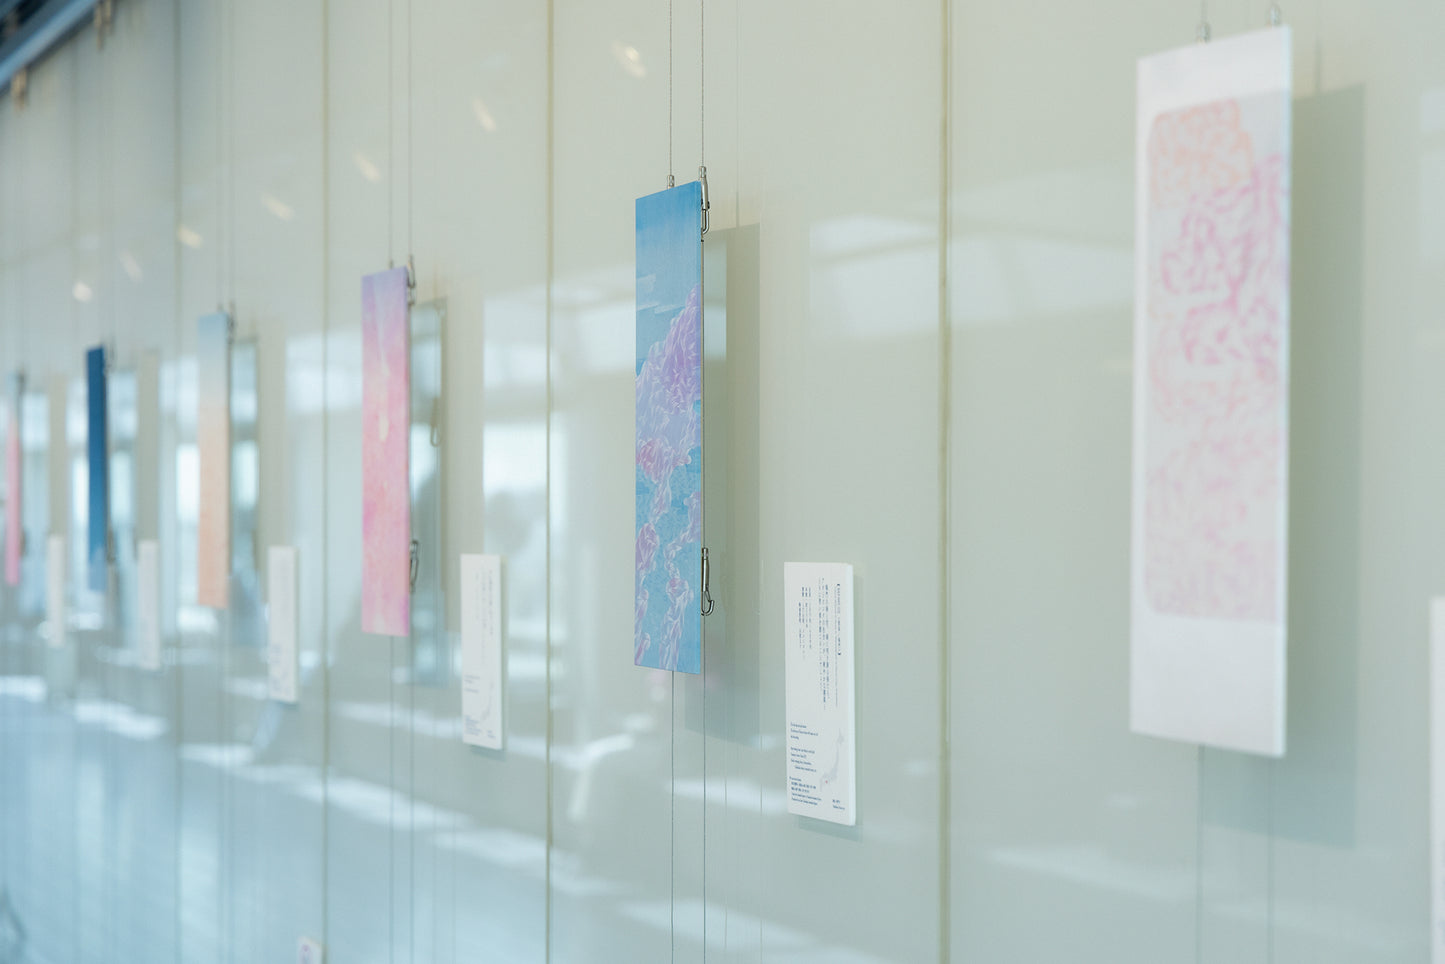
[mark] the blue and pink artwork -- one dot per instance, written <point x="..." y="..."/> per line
<point x="668" y="622"/>
<point x="97" y="452"/>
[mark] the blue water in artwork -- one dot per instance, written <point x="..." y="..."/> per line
<point x="95" y="449"/>
<point x="668" y="625"/>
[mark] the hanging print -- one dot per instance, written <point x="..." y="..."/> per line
<point x="668" y="621"/>
<point x="1211" y="391"/>
<point x="213" y="444"/>
<point x="97" y="462"/>
<point x="385" y="454"/>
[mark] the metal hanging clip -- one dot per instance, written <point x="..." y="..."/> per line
<point x="436" y="423"/>
<point x="706" y="584"/>
<point x="413" y="566"/>
<point x="1276" y="15"/>
<point x="20" y="87"/>
<point x="410" y="281"/>
<point x="706" y="202"/>
<point x="104" y="22"/>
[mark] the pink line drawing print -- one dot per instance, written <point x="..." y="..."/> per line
<point x="1218" y="277"/>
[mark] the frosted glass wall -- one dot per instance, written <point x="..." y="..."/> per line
<point x="919" y="276"/>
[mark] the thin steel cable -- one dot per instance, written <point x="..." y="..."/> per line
<point x="702" y="82"/>
<point x="702" y="630"/>
<point x="390" y="136"/>
<point x="220" y="101"/>
<point x="231" y="155"/>
<point x="672" y="823"/>
<point x="670" y="178"/>
<point x="410" y="154"/>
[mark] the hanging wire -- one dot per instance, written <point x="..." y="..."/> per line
<point x="702" y="150"/>
<point x="670" y="179"/>
<point x="220" y="101"/>
<point x="1201" y="32"/>
<point x="231" y="155"/>
<point x="390" y="136"/>
<point x="410" y="153"/>
<point x="702" y="82"/>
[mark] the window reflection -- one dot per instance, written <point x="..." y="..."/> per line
<point x="122" y="417"/>
<point x="247" y="617"/>
<point x="431" y="655"/>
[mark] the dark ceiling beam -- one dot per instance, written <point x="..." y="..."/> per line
<point x="40" y="31"/>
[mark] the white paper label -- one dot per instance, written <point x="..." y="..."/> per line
<point x="818" y="665"/>
<point x="1437" y="781"/>
<point x="481" y="599"/>
<point x="148" y="603"/>
<point x="308" y="950"/>
<point x="281" y="654"/>
<point x="55" y="589"/>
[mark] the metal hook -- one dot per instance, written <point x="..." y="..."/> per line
<point x="413" y="566"/>
<point x="1276" y="15"/>
<point x="706" y="584"/>
<point x="410" y="280"/>
<point x="706" y="202"/>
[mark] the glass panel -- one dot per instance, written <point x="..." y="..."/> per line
<point x="430" y="648"/>
<point x="247" y="614"/>
<point x="121" y="389"/>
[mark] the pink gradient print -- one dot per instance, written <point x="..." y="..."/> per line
<point x="669" y="438"/>
<point x="213" y="444"/>
<point x="1217" y="329"/>
<point x="385" y="454"/>
<point x="14" y="537"/>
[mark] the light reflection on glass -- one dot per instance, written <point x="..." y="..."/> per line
<point x="629" y="58"/>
